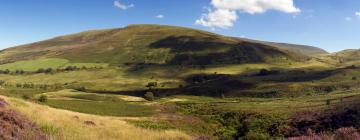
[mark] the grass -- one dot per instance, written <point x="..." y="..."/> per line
<point x="99" y="104"/>
<point x="105" y="108"/>
<point x="62" y="124"/>
<point x="275" y="106"/>
<point x="21" y="93"/>
<point x="34" y="65"/>
<point x="54" y="63"/>
<point x="154" y="125"/>
<point x="110" y="79"/>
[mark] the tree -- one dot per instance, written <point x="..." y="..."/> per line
<point x="43" y="98"/>
<point x="48" y="70"/>
<point x="41" y="70"/>
<point x="151" y="85"/>
<point x="264" y="72"/>
<point x="149" y="96"/>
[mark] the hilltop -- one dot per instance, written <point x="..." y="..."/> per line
<point x="156" y="44"/>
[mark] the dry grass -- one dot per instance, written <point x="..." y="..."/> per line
<point x="62" y="124"/>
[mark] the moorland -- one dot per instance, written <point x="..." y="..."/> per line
<point x="167" y="82"/>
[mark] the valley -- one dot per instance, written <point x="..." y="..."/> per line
<point x="167" y="82"/>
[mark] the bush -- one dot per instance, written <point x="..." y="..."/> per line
<point x="257" y="136"/>
<point x="149" y="96"/>
<point x="43" y="98"/>
<point x="25" y="97"/>
<point x="152" y="85"/>
<point x="41" y="70"/>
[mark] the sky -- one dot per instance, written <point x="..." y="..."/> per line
<point x="333" y="25"/>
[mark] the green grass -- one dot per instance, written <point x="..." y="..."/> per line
<point x="92" y="103"/>
<point x="54" y="63"/>
<point x="86" y="65"/>
<point x="155" y="125"/>
<point x="33" y="65"/>
<point x="283" y="106"/>
<point x="21" y="93"/>
<point x="105" y="108"/>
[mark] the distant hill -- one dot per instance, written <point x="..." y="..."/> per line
<point x="157" y="44"/>
<point x="302" y="49"/>
<point x="345" y="57"/>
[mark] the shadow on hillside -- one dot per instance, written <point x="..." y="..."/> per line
<point x="207" y="51"/>
<point x="246" y="85"/>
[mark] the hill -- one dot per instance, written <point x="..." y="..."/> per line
<point x="152" y="44"/>
<point x="167" y="82"/>
<point x="301" y="49"/>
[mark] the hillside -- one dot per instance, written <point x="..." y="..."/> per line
<point x="151" y="44"/>
<point x="167" y="82"/>
<point x="301" y="49"/>
<point x="346" y="56"/>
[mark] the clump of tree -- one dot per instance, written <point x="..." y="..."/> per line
<point x="2" y="82"/>
<point x="19" y="72"/>
<point x="43" y="98"/>
<point x="152" y="85"/>
<point x="265" y="72"/>
<point x="4" y="71"/>
<point x="149" y="96"/>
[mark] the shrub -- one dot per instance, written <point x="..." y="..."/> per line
<point x="152" y="85"/>
<point x="2" y="82"/>
<point x="155" y="125"/>
<point x="149" y="96"/>
<point x="14" y="126"/>
<point x="48" y="70"/>
<point x="257" y="136"/>
<point x="25" y="97"/>
<point x="345" y="133"/>
<point x="41" y="70"/>
<point x="43" y="98"/>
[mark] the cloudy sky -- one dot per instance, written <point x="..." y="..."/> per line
<point x="330" y="24"/>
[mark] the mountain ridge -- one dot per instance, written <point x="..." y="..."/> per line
<point x="153" y="44"/>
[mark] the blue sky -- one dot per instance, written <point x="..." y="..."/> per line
<point x="329" y="24"/>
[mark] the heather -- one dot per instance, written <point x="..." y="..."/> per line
<point x="14" y="126"/>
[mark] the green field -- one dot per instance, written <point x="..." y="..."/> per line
<point x="34" y="65"/>
<point x="53" y="63"/>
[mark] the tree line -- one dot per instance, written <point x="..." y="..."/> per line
<point x="47" y="70"/>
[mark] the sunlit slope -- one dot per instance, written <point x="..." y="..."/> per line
<point x="150" y="44"/>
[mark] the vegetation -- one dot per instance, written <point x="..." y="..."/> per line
<point x="70" y="125"/>
<point x="179" y="83"/>
<point x="43" y="98"/>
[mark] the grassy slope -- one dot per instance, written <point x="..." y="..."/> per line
<point x="302" y="49"/>
<point x="54" y="63"/>
<point x="92" y="103"/>
<point x="149" y="44"/>
<point x="70" y="125"/>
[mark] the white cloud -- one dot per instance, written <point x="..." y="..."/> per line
<point x="348" y="18"/>
<point x="220" y="18"/>
<point x="357" y="14"/>
<point x="256" y="6"/>
<point x="225" y="12"/>
<point x="122" y="6"/>
<point x="160" y="16"/>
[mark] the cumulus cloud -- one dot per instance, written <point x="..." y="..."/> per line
<point x="122" y="6"/>
<point x="224" y="13"/>
<point x="220" y="18"/>
<point x="160" y="16"/>
<point x="357" y="14"/>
